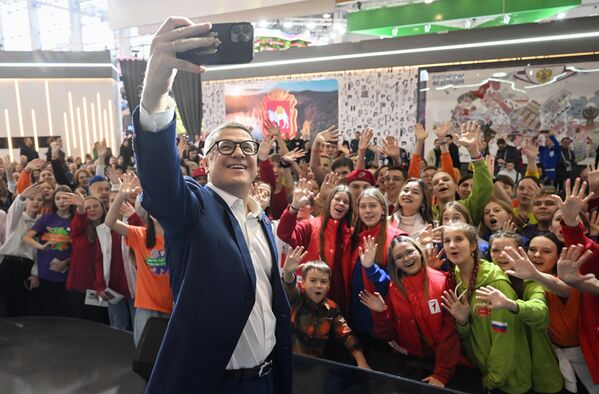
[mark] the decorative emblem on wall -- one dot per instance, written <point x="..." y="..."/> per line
<point x="278" y="109"/>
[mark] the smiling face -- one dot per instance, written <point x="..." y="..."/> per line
<point x="543" y="208"/>
<point x="457" y="247"/>
<point x="94" y="209"/>
<point x="410" y="198"/>
<point x="370" y="211"/>
<point x="316" y="284"/>
<point x="543" y="254"/>
<point x="232" y="173"/>
<point x="407" y="258"/>
<point x="444" y="187"/>
<point x="497" y="247"/>
<point x="495" y="216"/>
<point x="339" y="205"/>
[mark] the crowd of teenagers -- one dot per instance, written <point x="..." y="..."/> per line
<point x="392" y="261"/>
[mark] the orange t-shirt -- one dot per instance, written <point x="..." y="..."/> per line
<point x="563" y="319"/>
<point x="153" y="290"/>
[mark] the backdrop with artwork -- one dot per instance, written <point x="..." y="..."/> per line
<point x="517" y="101"/>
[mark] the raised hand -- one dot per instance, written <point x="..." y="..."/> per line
<point x="365" y="139"/>
<point x="569" y="263"/>
<point x="508" y="225"/>
<point x="490" y="164"/>
<point x="129" y="187"/>
<point x="368" y="254"/>
<point x="35" y="165"/>
<point x="594" y="223"/>
<point x="391" y="147"/>
<point x="421" y="134"/>
<point x="575" y="201"/>
<point x="530" y="149"/>
<point x="457" y="306"/>
<point x="126" y="210"/>
<point x="301" y="194"/>
<point x="594" y="178"/>
<point x="523" y="268"/>
<point x="32" y="191"/>
<point x="429" y="235"/>
<point x="75" y="199"/>
<point x="112" y="175"/>
<point x="433" y="381"/>
<point x="293" y="155"/>
<point x="469" y="137"/>
<point x="265" y="147"/>
<point x="494" y="298"/>
<point x="101" y="149"/>
<point x="434" y="257"/>
<point x="442" y="129"/>
<point x="330" y="181"/>
<point x="330" y="135"/>
<point x="293" y="261"/>
<point x="374" y="301"/>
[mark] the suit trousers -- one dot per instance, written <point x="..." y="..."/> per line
<point x="255" y="385"/>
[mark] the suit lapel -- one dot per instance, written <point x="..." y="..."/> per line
<point x="239" y="238"/>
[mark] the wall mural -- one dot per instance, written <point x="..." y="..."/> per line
<point x="515" y="102"/>
<point x="384" y="99"/>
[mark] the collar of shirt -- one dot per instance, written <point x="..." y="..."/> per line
<point x="236" y="203"/>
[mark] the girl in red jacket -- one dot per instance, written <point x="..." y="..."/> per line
<point x="410" y="314"/>
<point x="324" y="237"/>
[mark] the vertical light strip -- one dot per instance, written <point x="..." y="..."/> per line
<point x="34" y="123"/>
<point x="50" y="127"/>
<point x="93" y="115"/>
<point x="72" y="116"/>
<point x="80" y="132"/>
<point x="111" y="126"/>
<point x="67" y="133"/>
<point x="19" y="109"/>
<point x="108" y="141"/>
<point x="99" y="109"/>
<point x="7" y="122"/>
<point x="86" y="123"/>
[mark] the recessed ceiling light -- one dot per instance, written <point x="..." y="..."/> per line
<point x="326" y="15"/>
<point x="499" y="75"/>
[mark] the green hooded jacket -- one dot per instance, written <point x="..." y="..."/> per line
<point x="495" y="340"/>
<point x="534" y="313"/>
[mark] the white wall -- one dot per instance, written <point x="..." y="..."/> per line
<point x="38" y="107"/>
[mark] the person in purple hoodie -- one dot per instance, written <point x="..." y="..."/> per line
<point x="51" y="236"/>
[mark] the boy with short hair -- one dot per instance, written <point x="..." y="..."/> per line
<point x="315" y="318"/>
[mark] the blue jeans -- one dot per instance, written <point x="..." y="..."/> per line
<point x="121" y="314"/>
<point x="141" y="318"/>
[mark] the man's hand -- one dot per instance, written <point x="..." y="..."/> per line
<point x="177" y="34"/>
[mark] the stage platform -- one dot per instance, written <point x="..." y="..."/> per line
<point x="64" y="356"/>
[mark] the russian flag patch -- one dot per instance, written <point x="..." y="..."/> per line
<point x="498" y="326"/>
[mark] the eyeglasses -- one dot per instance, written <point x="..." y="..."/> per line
<point x="407" y="254"/>
<point x="227" y="147"/>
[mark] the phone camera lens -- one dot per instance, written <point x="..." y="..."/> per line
<point x="236" y="29"/>
<point x="246" y="29"/>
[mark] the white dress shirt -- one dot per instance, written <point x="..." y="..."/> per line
<point x="257" y="339"/>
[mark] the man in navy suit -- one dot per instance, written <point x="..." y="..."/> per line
<point x="230" y="330"/>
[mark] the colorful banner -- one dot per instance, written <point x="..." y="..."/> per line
<point x="518" y="101"/>
<point x="297" y="108"/>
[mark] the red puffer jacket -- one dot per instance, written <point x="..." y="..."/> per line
<point x="417" y="323"/>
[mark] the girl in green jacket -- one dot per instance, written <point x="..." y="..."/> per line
<point x="493" y="338"/>
<point x="532" y="308"/>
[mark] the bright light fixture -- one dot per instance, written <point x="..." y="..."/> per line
<point x="428" y="1"/>
<point x="326" y="15"/>
<point x="561" y="15"/>
<point x="341" y="29"/>
<point x="287" y="25"/>
<point x="310" y="25"/>
<point x="263" y="24"/>
<point x="440" y="48"/>
<point x="500" y="75"/>
<point x="55" y="65"/>
<point x="427" y="27"/>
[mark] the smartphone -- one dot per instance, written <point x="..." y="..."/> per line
<point x="237" y="45"/>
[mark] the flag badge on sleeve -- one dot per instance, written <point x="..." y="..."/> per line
<point x="498" y="326"/>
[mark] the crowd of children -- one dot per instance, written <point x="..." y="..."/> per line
<point x="484" y="269"/>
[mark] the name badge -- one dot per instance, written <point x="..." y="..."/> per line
<point x="434" y="307"/>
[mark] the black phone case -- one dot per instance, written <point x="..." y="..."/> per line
<point x="229" y="51"/>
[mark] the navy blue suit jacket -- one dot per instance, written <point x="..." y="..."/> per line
<point x="211" y="273"/>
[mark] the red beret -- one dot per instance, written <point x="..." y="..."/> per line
<point x="200" y="171"/>
<point x="361" y="175"/>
